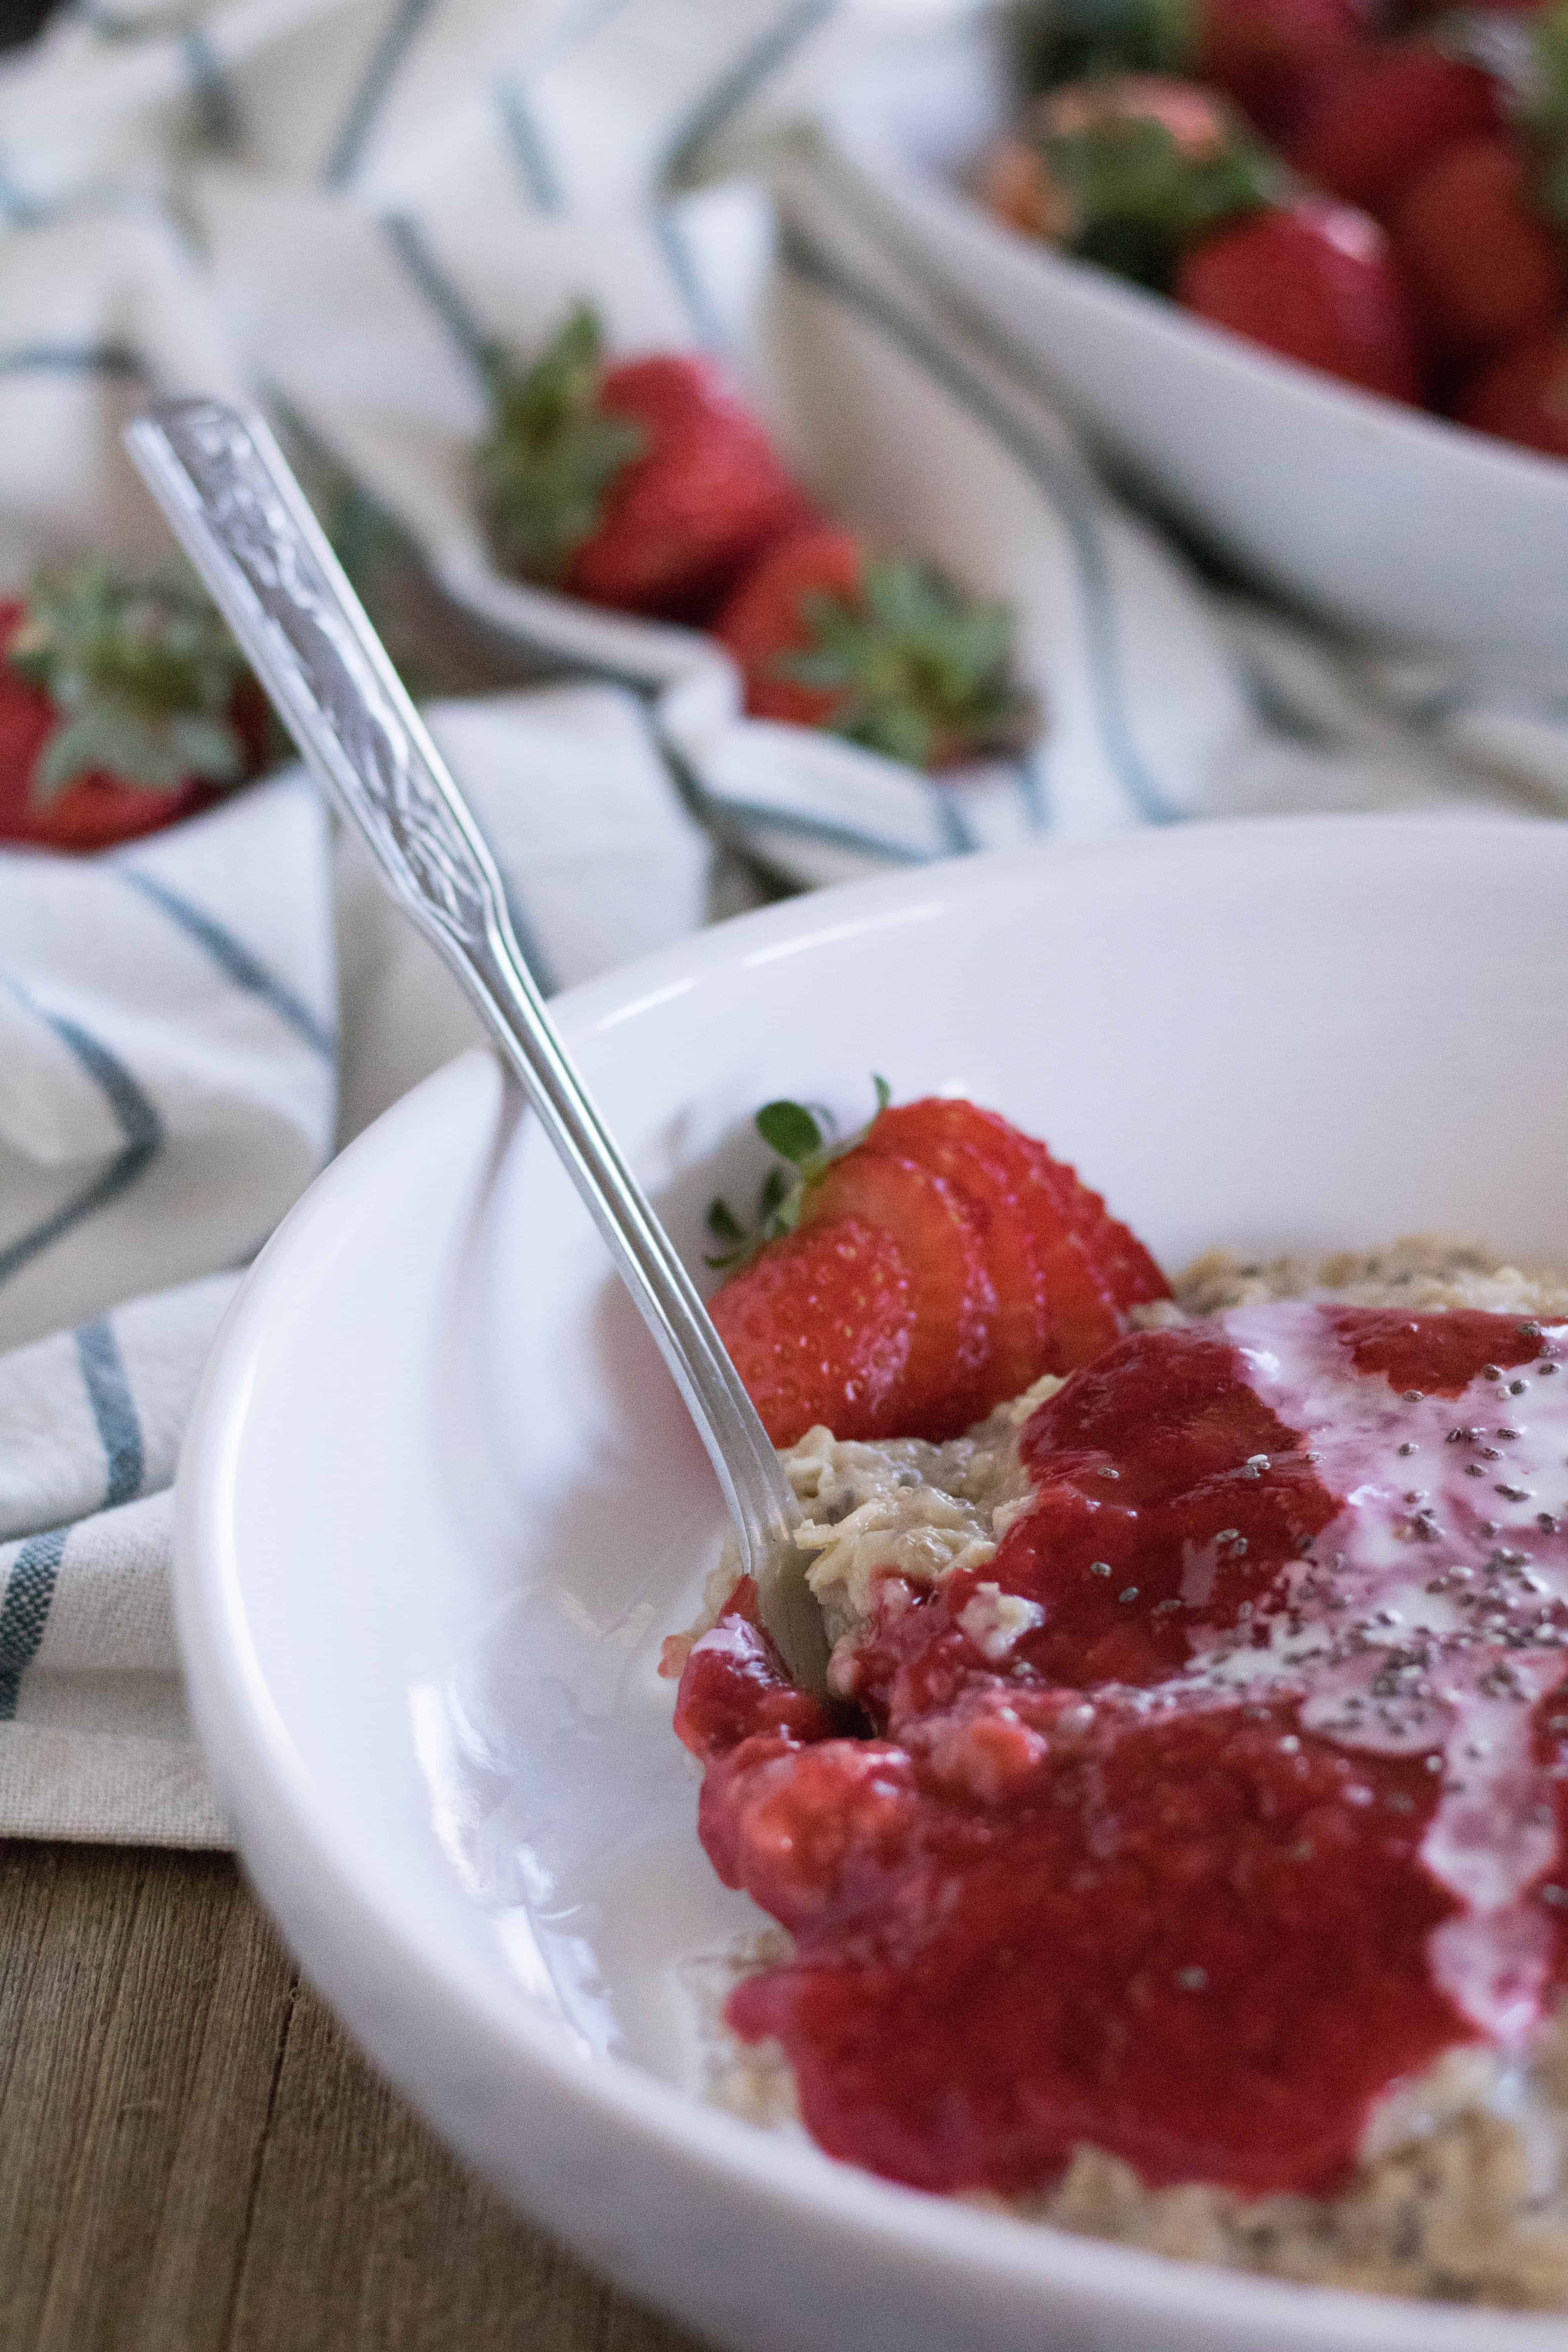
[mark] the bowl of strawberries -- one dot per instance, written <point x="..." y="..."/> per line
<point x="1298" y="268"/>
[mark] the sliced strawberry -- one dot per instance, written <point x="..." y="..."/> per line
<point x="1132" y="1276"/>
<point x="1009" y="1267"/>
<point x="1315" y="282"/>
<point x="1063" y="1269"/>
<point x="1384" y="113"/>
<point x="1482" y="264"/>
<point x="941" y="1386"/>
<point x="987" y="1162"/>
<point x="820" y="1328"/>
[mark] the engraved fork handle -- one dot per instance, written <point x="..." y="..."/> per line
<point x="227" y="492"/>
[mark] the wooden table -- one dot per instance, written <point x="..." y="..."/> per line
<point x="192" y="2156"/>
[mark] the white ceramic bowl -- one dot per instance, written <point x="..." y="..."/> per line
<point x="1384" y="517"/>
<point x="439" y="1500"/>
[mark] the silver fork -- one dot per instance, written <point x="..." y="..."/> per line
<point x="231" y="499"/>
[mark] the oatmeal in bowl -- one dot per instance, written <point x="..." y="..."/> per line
<point x="1180" y="1853"/>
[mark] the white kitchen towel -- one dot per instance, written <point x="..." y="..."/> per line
<point x="94" y="1737"/>
<point x="169" y="1026"/>
<point x="167" y="1052"/>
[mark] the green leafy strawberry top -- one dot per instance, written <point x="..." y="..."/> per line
<point x="1060" y="40"/>
<point x="1135" y="196"/>
<point x="923" y="674"/>
<point x="142" y="670"/>
<point x="799" y="1135"/>
<point x="551" y="454"/>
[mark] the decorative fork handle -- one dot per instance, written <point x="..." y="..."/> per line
<point x="231" y="499"/>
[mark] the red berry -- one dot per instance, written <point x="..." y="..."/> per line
<point x="819" y="1327"/>
<point x="1383" y="115"/>
<point x="941" y="1387"/>
<point x="1266" y="54"/>
<point x="1002" y="1266"/>
<point x="884" y="651"/>
<point x="1063" y="1269"/>
<point x="681" y="521"/>
<point x="95" y="811"/>
<point x="1481" y="264"/>
<point x="766" y="620"/>
<point x="986" y="1162"/>
<point x="1522" y="393"/>
<point x="1313" y="281"/>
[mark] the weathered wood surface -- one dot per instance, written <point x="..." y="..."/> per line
<point x="194" y="2159"/>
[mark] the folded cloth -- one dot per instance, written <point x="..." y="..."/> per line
<point x="94" y="1737"/>
<point x="167" y="1024"/>
<point x="168" y="1049"/>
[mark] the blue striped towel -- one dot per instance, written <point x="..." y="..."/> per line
<point x="187" y="1028"/>
<point x="180" y="1046"/>
<point x="1162" y="699"/>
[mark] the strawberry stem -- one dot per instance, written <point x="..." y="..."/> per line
<point x="920" y="674"/>
<point x="551" y="455"/>
<point x="142" y="672"/>
<point x="1135" y="197"/>
<point x="796" y="1134"/>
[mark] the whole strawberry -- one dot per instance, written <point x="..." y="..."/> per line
<point x="1265" y="54"/>
<point x="1521" y="393"/>
<point x="645" y="484"/>
<point x="1483" y="263"/>
<point x="1385" y="113"/>
<point x="1314" y="281"/>
<point x="124" y="703"/>
<point x="876" y="648"/>
<point x="1269" y="55"/>
<point x="1125" y="171"/>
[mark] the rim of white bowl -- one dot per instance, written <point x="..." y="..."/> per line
<point x="1098" y="287"/>
<point x="277" y="1804"/>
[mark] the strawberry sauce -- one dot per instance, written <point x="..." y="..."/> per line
<point x="1226" y="1795"/>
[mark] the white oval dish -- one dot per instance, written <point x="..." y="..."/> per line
<point x="439" y="1500"/>
<point x="1384" y="517"/>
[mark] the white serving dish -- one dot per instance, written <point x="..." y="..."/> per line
<point x="1382" y="518"/>
<point x="439" y="1499"/>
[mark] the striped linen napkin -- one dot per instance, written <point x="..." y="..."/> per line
<point x="1160" y="699"/>
<point x="187" y="1026"/>
<point x="333" y="204"/>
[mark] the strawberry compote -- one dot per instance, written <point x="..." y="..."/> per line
<point x="1228" y="1793"/>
